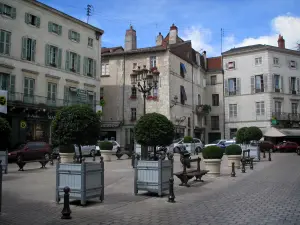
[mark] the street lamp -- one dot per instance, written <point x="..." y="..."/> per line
<point x="145" y="79"/>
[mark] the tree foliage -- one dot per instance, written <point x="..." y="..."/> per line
<point x="254" y="134"/>
<point x="5" y="133"/>
<point x="212" y="152"/>
<point x="241" y="135"/>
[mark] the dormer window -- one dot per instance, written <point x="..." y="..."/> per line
<point x="231" y="65"/>
<point x="293" y="64"/>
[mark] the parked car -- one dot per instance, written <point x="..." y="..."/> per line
<point x="266" y="146"/>
<point x="229" y="142"/>
<point x="286" y="147"/>
<point x="220" y="143"/>
<point x="30" y="151"/>
<point x="116" y="146"/>
<point x="86" y="150"/>
<point x="177" y="146"/>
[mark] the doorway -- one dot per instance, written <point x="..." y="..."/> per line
<point x="213" y="136"/>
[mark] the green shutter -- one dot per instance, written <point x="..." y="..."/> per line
<point x="70" y="34"/>
<point x="27" y="18"/>
<point x="13" y="13"/>
<point x="59" y="57"/>
<point x="85" y="66"/>
<point x="33" y="50"/>
<point x="8" y="42"/>
<point x="78" y="37"/>
<point x="78" y="64"/>
<point x="59" y="30"/>
<point x="38" y="22"/>
<point x="47" y="55"/>
<point x="66" y="93"/>
<point x="50" y="26"/>
<point x="24" y="47"/>
<point x="2" y="41"/>
<point x="1" y="8"/>
<point x="67" y="66"/>
<point x="12" y="83"/>
<point x="94" y="68"/>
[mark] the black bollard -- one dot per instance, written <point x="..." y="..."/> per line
<point x="133" y="161"/>
<point x="243" y="166"/>
<point x="270" y="155"/>
<point x="264" y="154"/>
<point x="171" y="198"/>
<point x="94" y="156"/>
<point x="251" y="164"/>
<point x="51" y="159"/>
<point x="232" y="170"/>
<point x="66" y="212"/>
<point x="58" y="159"/>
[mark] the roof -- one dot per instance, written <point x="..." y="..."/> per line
<point x="135" y="51"/>
<point x="46" y="7"/>
<point x="113" y="49"/>
<point x="259" y="47"/>
<point x="214" y="64"/>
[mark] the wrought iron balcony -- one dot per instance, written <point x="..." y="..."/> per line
<point x="21" y="99"/>
<point x="203" y="109"/>
<point x="286" y="116"/>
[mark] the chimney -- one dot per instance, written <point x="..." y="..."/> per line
<point x="159" y="39"/>
<point x="205" y="59"/>
<point x="281" y="42"/>
<point x="130" y="39"/>
<point x="173" y="34"/>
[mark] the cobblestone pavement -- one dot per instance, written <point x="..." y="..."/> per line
<point x="267" y="195"/>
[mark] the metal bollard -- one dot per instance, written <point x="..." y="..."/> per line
<point x="251" y="164"/>
<point x="270" y="155"/>
<point x="171" y="197"/>
<point x="264" y="154"/>
<point x="243" y="166"/>
<point x="58" y="159"/>
<point x="94" y="156"/>
<point x="1" y="176"/>
<point x="51" y="159"/>
<point x="66" y="212"/>
<point x="232" y="170"/>
<point x="133" y="161"/>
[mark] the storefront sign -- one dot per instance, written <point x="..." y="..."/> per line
<point x="34" y="116"/>
<point x="3" y="101"/>
<point x="82" y="95"/>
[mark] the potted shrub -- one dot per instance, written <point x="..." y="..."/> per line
<point x="212" y="156"/>
<point x="152" y="175"/>
<point x="106" y="150"/>
<point x="66" y="153"/>
<point x="5" y="134"/>
<point x="234" y="154"/>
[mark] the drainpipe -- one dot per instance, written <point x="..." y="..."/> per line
<point x="224" y="129"/>
<point x="193" y="106"/>
<point x="123" y="103"/>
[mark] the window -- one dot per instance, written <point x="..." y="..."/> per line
<point x="259" y="83"/>
<point x="72" y="62"/>
<point x="293" y="85"/>
<point x="133" y="114"/>
<point x="5" y="42"/>
<point x="275" y="61"/>
<point x="152" y="61"/>
<point x="232" y="110"/>
<point x="215" y="124"/>
<point x="293" y="64"/>
<point x="53" y="56"/>
<point x="232" y="86"/>
<point x="51" y="94"/>
<point x="294" y="108"/>
<point x="260" y="108"/>
<point x="7" y="82"/>
<point x="74" y="36"/>
<point x="105" y="69"/>
<point x="28" y="49"/>
<point x="277" y="107"/>
<point x="230" y="65"/>
<point x="199" y="99"/>
<point x="183" y="97"/>
<point x="277" y="83"/>
<point x="182" y="70"/>
<point x="134" y="66"/>
<point x="213" y="80"/>
<point x="215" y="99"/>
<point x="28" y="90"/>
<point x="232" y="132"/>
<point x="205" y="120"/>
<point x="8" y="11"/>
<point x="258" y="61"/>
<point x="155" y="93"/>
<point x="54" y="28"/>
<point x="189" y="121"/>
<point x="89" y="67"/>
<point x="133" y="93"/>
<point x="101" y="93"/>
<point x="90" y="42"/>
<point x="32" y="20"/>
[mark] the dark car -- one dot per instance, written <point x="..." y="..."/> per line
<point x="266" y="146"/>
<point x="287" y="146"/>
<point x="30" y="151"/>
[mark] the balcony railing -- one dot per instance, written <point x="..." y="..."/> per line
<point x="286" y="116"/>
<point x="15" y="98"/>
<point x="203" y="109"/>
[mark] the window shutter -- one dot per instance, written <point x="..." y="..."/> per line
<point x="226" y="65"/>
<point x="67" y="66"/>
<point x="273" y="82"/>
<point x="33" y="50"/>
<point x="2" y="41"/>
<point x="252" y="84"/>
<point x="70" y="33"/>
<point x="290" y="85"/>
<point x="78" y="64"/>
<point x="1" y="8"/>
<point x="78" y="37"/>
<point x="50" y="26"/>
<point x="85" y="63"/>
<point x="298" y="85"/>
<point x="59" y="58"/>
<point x="226" y="87"/>
<point x="265" y="83"/>
<point x="38" y="22"/>
<point x="94" y="68"/>
<point x="13" y="13"/>
<point x="24" y="49"/>
<point x="12" y="83"/>
<point x="66" y="93"/>
<point x="281" y="84"/>
<point x="27" y="18"/>
<point x="60" y="30"/>
<point x="238" y="86"/>
<point x="47" y="55"/>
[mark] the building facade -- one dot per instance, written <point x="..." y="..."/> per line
<point x="261" y="85"/>
<point x="47" y="60"/>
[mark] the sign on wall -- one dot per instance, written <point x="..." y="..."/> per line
<point x="3" y="101"/>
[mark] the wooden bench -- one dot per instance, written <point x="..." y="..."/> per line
<point x="22" y="163"/>
<point x="185" y="175"/>
<point x="248" y="159"/>
<point x="122" y="151"/>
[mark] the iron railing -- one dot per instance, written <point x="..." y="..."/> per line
<point x="286" y="116"/>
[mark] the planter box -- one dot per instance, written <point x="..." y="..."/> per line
<point x="152" y="176"/>
<point x="213" y="166"/>
<point x="4" y="163"/>
<point x="236" y="159"/>
<point x="86" y="181"/>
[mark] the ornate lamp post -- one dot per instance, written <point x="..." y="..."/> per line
<point x="145" y="80"/>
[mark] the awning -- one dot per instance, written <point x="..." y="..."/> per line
<point x="73" y="89"/>
<point x="291" y="132"/>
<point x="273" y="132"/>
<point x="110" y="124"/>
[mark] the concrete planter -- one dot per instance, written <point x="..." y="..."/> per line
<point x="66" y="157"/>
<point x="236" y="159"/>
<point x="152" y="176"/>
<point x="106" y="154"/>
<point x="4" y="163"/>
<point x="86" y="180"/>
<point x="213" y="166"/>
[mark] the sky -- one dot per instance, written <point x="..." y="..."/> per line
<point x="245" y="22"/>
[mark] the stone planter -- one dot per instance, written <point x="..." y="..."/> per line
<point x="66" y="157"/>
<point x="86" y="180"/>
<point x="236" y="159"/>
<point x="213" y="166"/>
<point x="4" y="163"/>
<point x="106" y="154"/>
<point x="152" y="176"/>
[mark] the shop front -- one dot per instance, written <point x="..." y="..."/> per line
<point x="110" y="130"/>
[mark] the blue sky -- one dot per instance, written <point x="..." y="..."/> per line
<point x="244" y="21"/>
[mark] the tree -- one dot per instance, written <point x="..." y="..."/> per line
<point x="253" y="134"/>
<point x="241" y="135"/>
<point x="5" y="133"/>
<point x="77" y="124"/>
<point x="154" y="129"/>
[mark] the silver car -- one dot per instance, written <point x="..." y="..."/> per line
<point x="194" y="147"/>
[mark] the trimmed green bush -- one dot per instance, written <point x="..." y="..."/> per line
<point x="241" y="136"/>
<point x="67" y="148"/>
<point x="212" y="152"/>
<point x="233" y="150"/>
<point x="106" y="145"/>
<point x="5" y="132"/>
<point x="187" y="139"/>
<point x="254" y="134"/>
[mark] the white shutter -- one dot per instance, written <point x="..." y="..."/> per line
<point x="265" y="83"/>
<point x="252" y="84"/>
<point x="226" y="87"/>
<point x="238" y="86"/>
<point x="298" y="85"/>
<point x="281" y="84"/>
<point x="290" y="85"/>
